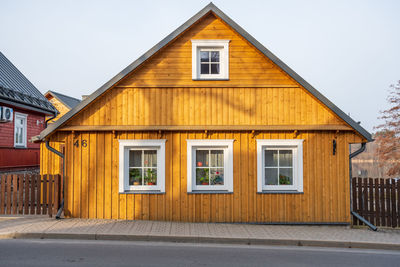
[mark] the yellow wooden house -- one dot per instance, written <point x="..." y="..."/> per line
<point x="206" y="126"/>
<point x="61" y="102"/>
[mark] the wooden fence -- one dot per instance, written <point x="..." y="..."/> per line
<point x="30" y="194"/>
<point x="377" y="200"/>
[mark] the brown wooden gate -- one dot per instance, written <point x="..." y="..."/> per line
<point x="377" y="200"/>
<point x="30" y="194"/>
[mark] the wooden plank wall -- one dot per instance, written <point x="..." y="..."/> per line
<point x="162" y="92"/>
<point x="206" y="106"/>
<point x="172" y="66"/>
<point x="92" y="181"/>
<point x="50" y="163"/>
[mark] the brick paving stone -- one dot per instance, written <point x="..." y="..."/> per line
<point x="161" y="229"/>
<point x="46" y="225"/>
<point x="141" y="227"/>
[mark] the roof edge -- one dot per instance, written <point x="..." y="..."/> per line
<point x="55" y="95"/>
<point x="25" y="106"/>
<point x="209" y="8"/>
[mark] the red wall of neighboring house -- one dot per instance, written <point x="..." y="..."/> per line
<point x="11" y="157"/>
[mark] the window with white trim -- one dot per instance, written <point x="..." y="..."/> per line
<point x="141" y="166"/>
<point x="210" y="59"/>
<point x="210" y="165"/>
<point x="280" y="165"/>
<point x="20" y="130"/>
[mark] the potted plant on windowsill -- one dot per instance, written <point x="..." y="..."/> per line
<point x="151" y="177"/>
<point x="283" y="179"/>
<point x="135" y="176"/>
<point x="204" y="180"/>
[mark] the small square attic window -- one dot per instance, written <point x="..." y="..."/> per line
<point x="210" y="59"/>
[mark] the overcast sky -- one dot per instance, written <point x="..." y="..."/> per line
<point x="348" y="50"/>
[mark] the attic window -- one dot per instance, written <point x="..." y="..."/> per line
<point x="210" y="59"/>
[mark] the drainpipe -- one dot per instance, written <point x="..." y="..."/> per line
<point x="355" y="214"/>
<point x="49" y="119"/>
<point x="58" y="153"/>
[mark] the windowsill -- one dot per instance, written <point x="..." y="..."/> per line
<point x="280" y="192"/>
<point x="210" y="192"/>
<point x="20" y="147"/>
<point x="157" y="192"/>
<point x="211" y="79"/>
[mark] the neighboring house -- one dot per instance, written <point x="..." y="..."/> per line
<point x="207" y="126"/>
<point x="22" y="110"/>
<point x="62" y="103"/>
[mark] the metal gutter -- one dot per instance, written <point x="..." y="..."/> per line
<point x="25" y="106"/>
<point x="58" y="153"/>
<point x="358" y="216"/>
<point x="207" y="9"/>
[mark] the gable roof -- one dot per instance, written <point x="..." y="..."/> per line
<point x="207" y="9"/>
<point x="16" y="89"/>
<point x="69" y="101"/>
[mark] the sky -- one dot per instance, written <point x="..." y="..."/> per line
<point x="348" y="50"/>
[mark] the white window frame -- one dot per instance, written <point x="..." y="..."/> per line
<point x="223" y="144"/>
<point x="211" y="45"/>
<point x="296" y="145"/>
<point x="124" y="147"/>
<point x="24" y="117"/>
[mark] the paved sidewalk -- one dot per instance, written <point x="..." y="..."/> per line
<point x="326" y="236"/>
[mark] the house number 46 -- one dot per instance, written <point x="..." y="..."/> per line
<point x="83" y="143"/>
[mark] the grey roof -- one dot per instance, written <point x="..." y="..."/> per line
<point x="69" y="101"/>
<point x="207" y="9"/>
<point x="16" y="89"/>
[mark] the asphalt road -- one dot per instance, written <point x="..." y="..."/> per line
<point x="112" y="253"/>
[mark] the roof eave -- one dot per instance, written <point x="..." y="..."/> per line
<point x="23" y="105"/>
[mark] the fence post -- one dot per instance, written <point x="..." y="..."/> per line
<point x="398" y="202"/>
<point x="21" y="193"/>
<point x="388" y="204"/>
<point x="355" y="200"/>
<point x="2" y="193"/>
<point x="360" y="198"/>
<point x="56" y="192"/>
<point x="377" y="203"/>
<point x="394" y="209"/>
<point x="38" y="185"/>
<point x="383" y="202"/>
<point x="50" y="201"/>
<point x="44" y="194"/>
<point x="14" y="194"/>
<point x="371" y="200"/>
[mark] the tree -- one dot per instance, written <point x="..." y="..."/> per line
<point x="388" y="136"/>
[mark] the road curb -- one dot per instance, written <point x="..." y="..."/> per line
<point x="203" y="239"/>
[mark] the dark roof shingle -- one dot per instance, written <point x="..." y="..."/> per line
<point x="15" y="87"/>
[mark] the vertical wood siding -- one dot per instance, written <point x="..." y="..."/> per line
<point x="172" y="66"/>
<point x="162" y="92"/>
<point x="92" y="181"/>
<point x="206" y="106"/>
